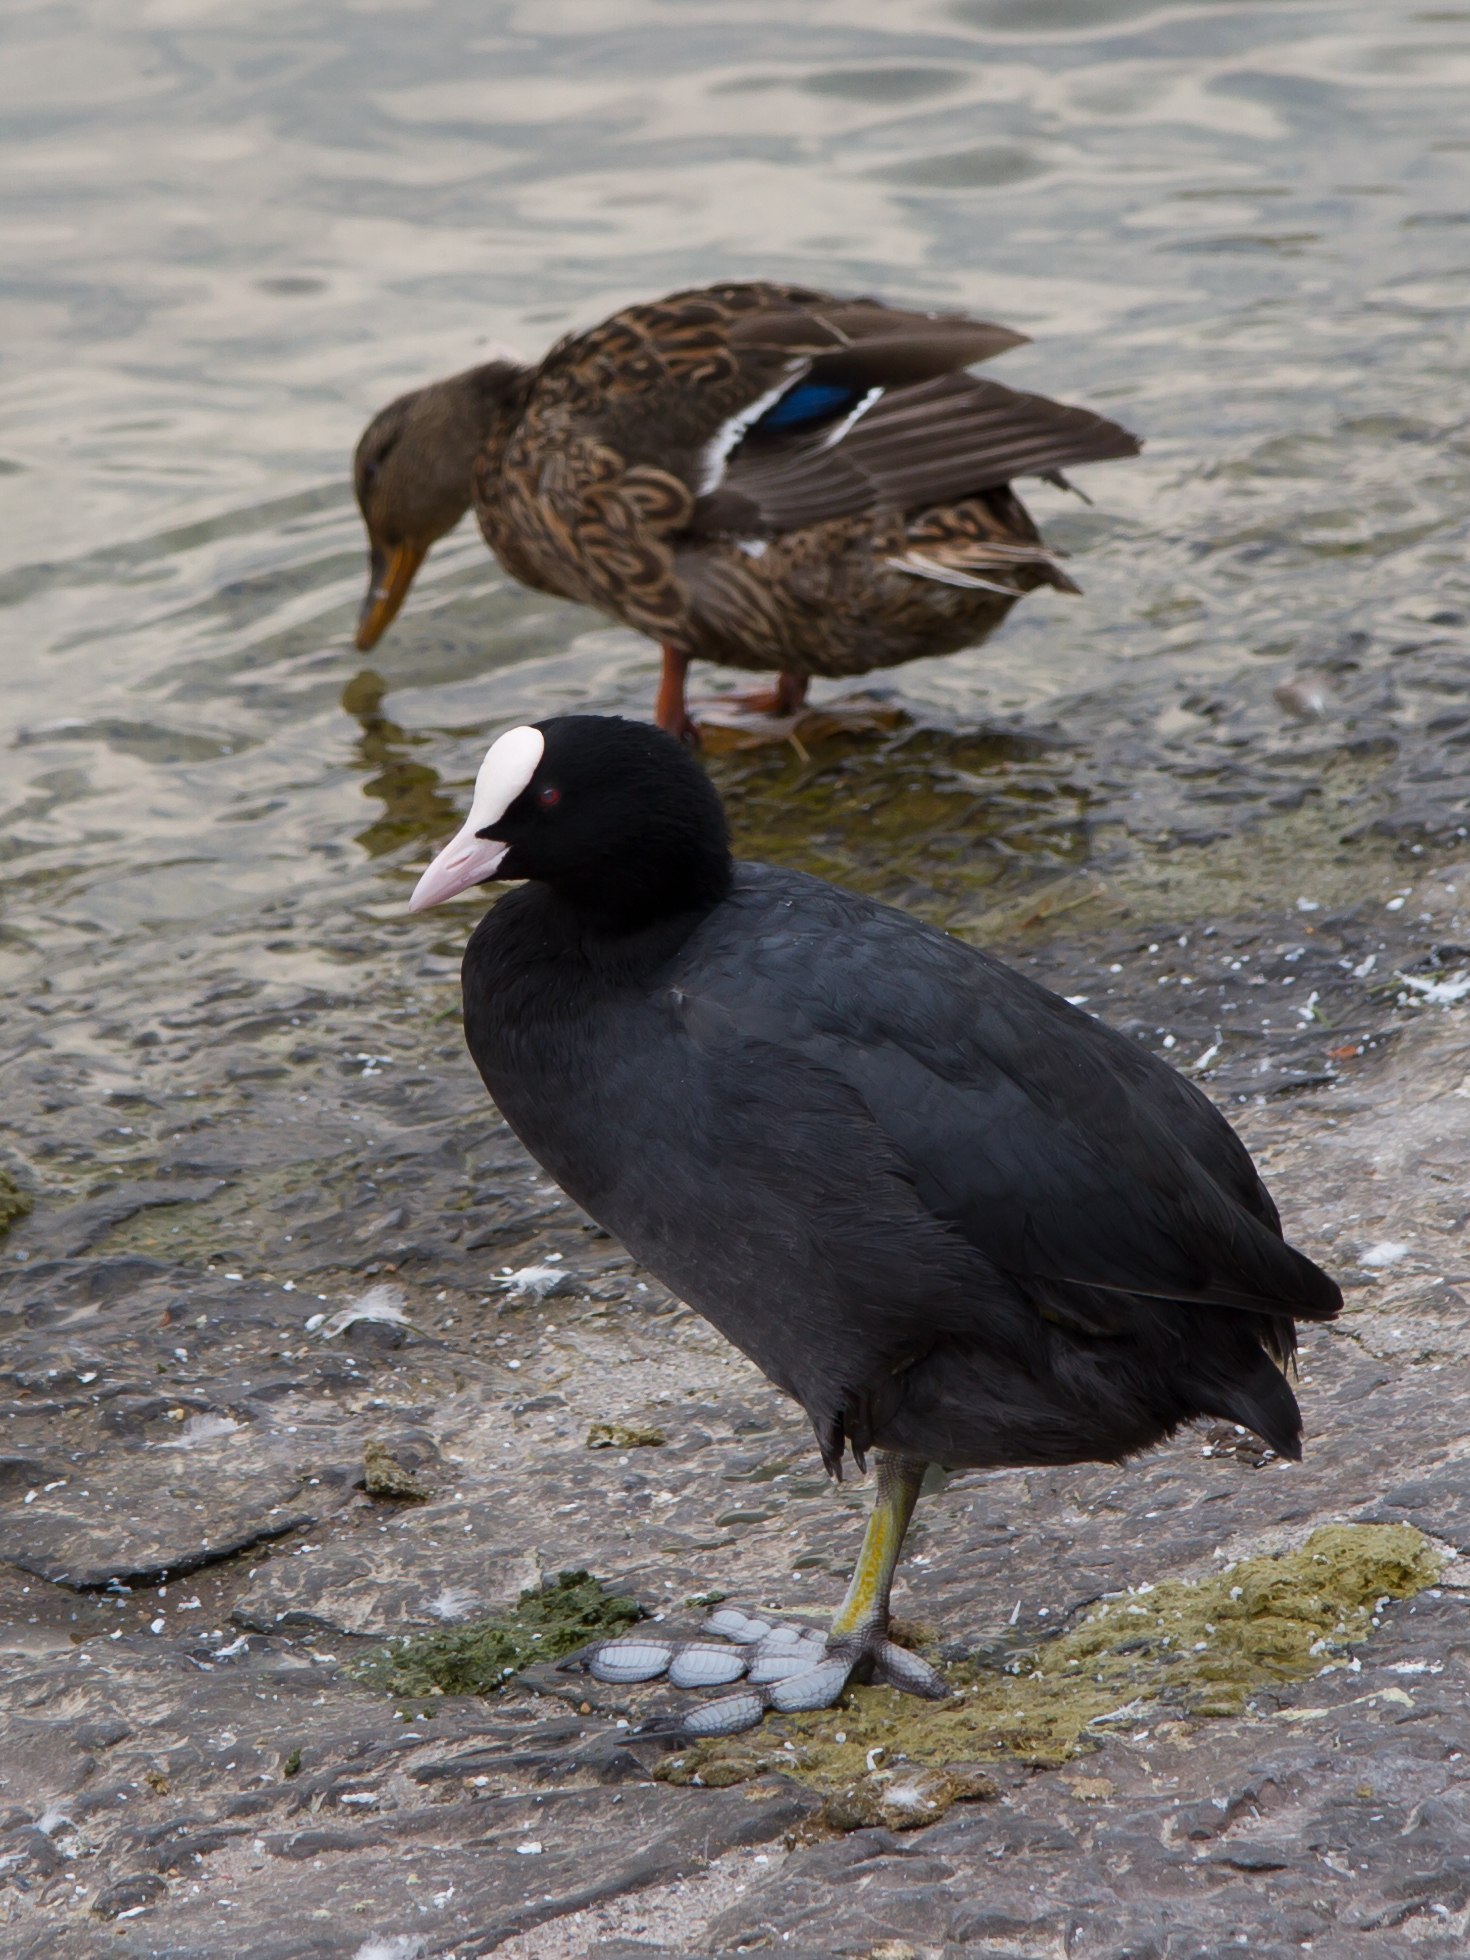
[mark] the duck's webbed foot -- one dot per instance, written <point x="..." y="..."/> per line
<point x="786" y="698"/>
<point x="780" y="1665"/>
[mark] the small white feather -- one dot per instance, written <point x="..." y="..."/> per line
<point x="452" y="1603"/>
<point x="1387" y="1252"/>
<point x="206" y="1428"/>
<point x="383" y="1303"/>
<point x="1438" y="993"/>
<point x="537" y="1280"/>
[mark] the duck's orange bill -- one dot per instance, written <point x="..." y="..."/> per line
<point x="391" y="576"/>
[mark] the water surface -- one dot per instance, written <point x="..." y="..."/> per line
<point x="1242" y="229"/>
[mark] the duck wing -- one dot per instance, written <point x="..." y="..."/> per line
<point x="677" y="383"/>
<point x="1057" y="1149"/>
<point x="912" y="447"/>
<point x="865" y="343"/>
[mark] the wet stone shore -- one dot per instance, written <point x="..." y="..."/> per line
<point x="318" y="1362"/>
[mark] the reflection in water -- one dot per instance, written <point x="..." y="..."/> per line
<point x="921" y="817"/>
<point x="415" y="808"/>
<point x="1238" y="229"/>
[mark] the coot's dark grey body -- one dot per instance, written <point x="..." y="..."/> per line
<point x="959" y="1220"/>
<point x="949" y="1213"/>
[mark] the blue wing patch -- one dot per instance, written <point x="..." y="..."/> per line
<point x="807" y="406"/>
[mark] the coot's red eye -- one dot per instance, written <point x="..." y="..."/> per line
<point x="548" y="796"/>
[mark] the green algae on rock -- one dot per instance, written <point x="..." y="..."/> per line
<point x="15" y="1202"/>
<point x="1196" y="1648"/>
<point x="907" y="1799"/>
<point x="989" y="831"/>
<point x="480" y="1657"/>
<point x="624" y="1436"/>
<point x="385" y="1477"/>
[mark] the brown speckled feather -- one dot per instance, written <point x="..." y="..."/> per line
<point x="634" y="478"/>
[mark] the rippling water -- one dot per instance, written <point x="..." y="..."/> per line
<point x="1242" y="229"/>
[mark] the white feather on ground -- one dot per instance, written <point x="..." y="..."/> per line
<point x="206" y="1428"/>
<point x="537" y="1280"/>
<point x="1439" y="993"/>
<point x="398" y="1946"/>
<point x="385" y="1303"/>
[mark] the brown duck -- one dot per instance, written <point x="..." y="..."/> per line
<point x="760" y="475"/>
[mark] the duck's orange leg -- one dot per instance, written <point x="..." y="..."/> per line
<point x="671" y="710"/>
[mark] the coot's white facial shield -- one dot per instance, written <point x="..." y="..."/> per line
<point x="470" y="858"/>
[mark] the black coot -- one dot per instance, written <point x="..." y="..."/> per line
<point x="957" y="1219"/>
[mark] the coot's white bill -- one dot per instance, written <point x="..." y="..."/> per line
<point x="468" y="860"/>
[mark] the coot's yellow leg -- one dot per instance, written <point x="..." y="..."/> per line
<point x="866" y="1603"/>
<point x="859" y="1634"/>
<point x="787" y="1667"/>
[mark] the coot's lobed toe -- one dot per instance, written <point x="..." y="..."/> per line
<point x="957" y="1219"/>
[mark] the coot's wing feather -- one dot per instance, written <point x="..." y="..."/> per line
<point x="764" y="1193"/>
<point x="1058" y="1148"/>
<point x="946" y="438"/>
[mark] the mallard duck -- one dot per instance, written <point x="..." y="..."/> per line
<point x="760" y="475"/>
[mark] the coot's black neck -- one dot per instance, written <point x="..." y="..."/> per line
<point x="567" y="950"/>
<point x="636" y="896"/>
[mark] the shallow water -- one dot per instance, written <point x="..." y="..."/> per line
<point x="1242" y="229"/>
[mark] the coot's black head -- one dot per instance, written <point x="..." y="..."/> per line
<point x="617" y="817"/>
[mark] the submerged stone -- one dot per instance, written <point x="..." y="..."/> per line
<point x="142" y="1516"/>
<point x="403" y="1566"/>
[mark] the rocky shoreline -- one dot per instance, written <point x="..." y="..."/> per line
<point x="259" y="1422"/>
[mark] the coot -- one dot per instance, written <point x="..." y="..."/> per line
<point x="958" y="1220"/>
<point x="760" y="474"/>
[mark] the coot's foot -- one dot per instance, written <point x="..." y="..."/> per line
<point x="783" y="1666"/>
<point x="779" y="1665"/>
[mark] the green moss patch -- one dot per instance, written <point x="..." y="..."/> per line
<point x="624" y="1436"/>
<point x="14" y="1202"/>
<point x="1195" y="1648"/>
<point x="480" y="1657"/>
<point x="384" y="1476"/>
